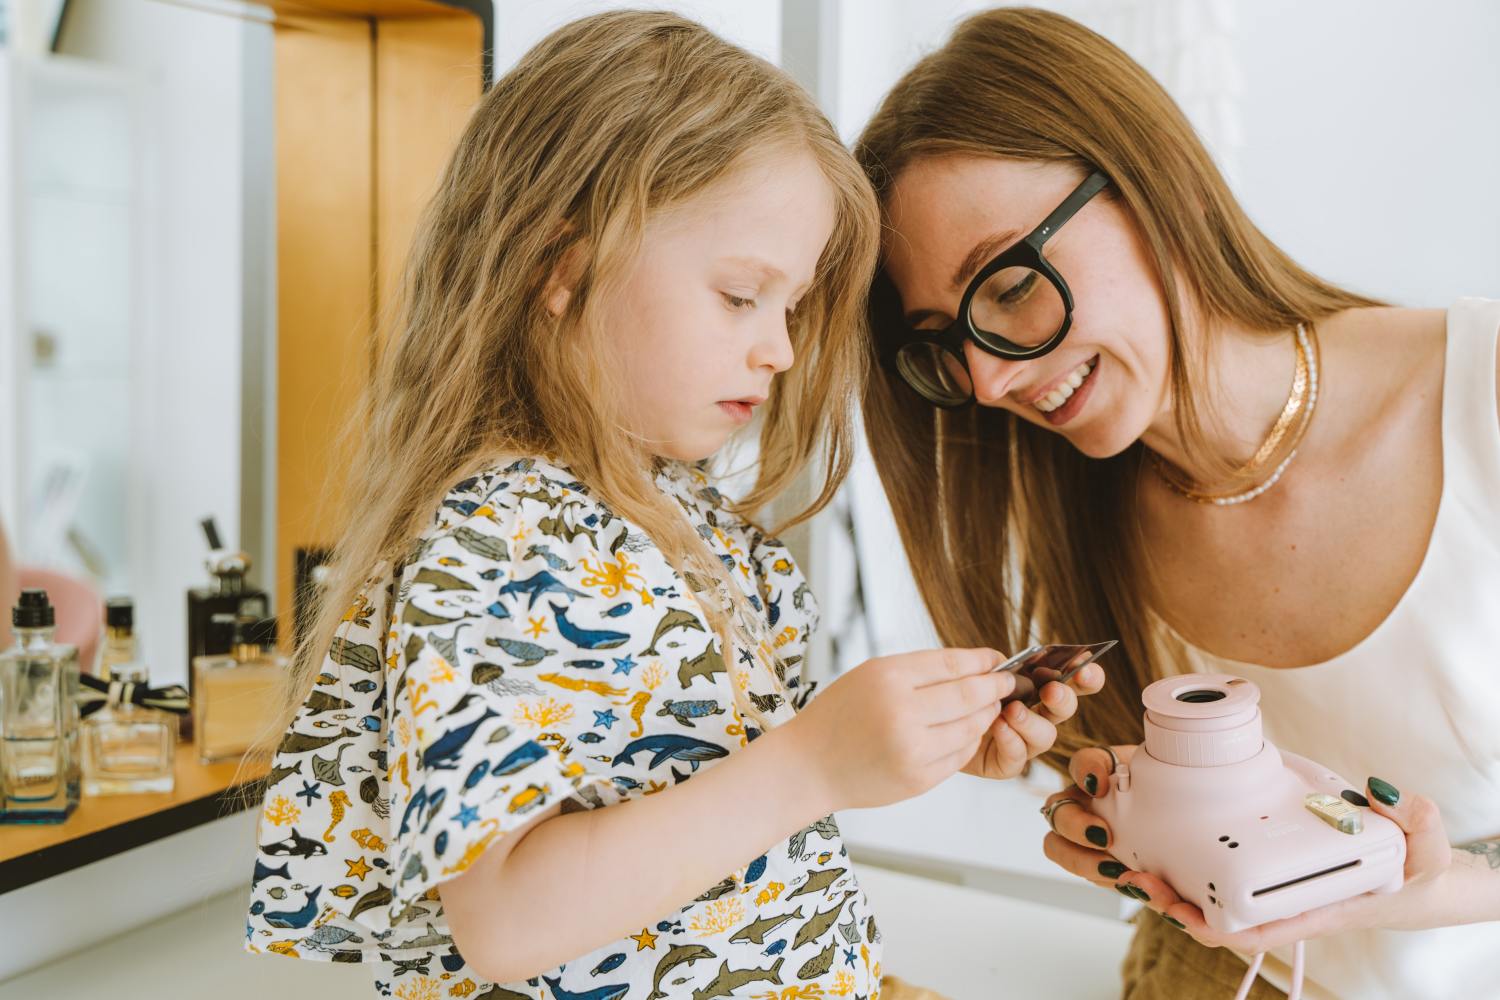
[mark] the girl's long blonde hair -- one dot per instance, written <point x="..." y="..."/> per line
<point x="1013" y="534"/>
<point x="607" y="121"/>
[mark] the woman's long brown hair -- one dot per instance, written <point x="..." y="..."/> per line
<point x="1013" y="535"/>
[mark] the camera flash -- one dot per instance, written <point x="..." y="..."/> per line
<point x="1334" y="811"/>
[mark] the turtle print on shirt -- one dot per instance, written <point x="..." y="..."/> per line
<point x="536" y="648"/>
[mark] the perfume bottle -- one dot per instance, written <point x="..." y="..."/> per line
<point x="39" y="683"/>
<point x="128" y="748"/>
<point x="224" y="596"/>
<point x="119" y="635"/>
<point x="236" y="696"/>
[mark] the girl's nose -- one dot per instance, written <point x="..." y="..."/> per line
<point x="773" y="347"/>
<point x="992" y="376"/>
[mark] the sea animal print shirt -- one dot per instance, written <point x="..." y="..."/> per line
<point x="537" y="648"/>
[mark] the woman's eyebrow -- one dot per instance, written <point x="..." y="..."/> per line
<point x="980" y="255"/>
<point x="976" y="258"/>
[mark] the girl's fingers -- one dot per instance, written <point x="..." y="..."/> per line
<point x="1427" y="850"/>
<point x="939" y="665"/>
<point x="961" y="735"/>
<point x="945" y="767"/>
<point x="1038" y="733"/>
<point x="1089" y="680"/>
<point x="1004" y="750"/>
<point x="960" y="697"/>
<point x="1058" y="702"/>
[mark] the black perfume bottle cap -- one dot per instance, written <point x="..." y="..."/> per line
<point x="33" y="610"/>
<point x="119" y="612"/>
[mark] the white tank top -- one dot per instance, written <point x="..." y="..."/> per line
<point x="1417" y="701"/>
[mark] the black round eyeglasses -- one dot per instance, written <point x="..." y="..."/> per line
<point x="1017" y="307"/>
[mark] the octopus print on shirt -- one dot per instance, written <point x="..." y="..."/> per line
<point x="537" y="648"/>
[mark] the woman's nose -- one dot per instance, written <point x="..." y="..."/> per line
<point x="992" y="376"/>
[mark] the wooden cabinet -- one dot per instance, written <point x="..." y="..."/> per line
<point x="371" y="96"/>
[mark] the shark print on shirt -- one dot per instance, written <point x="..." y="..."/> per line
<point x="537" y="648"/>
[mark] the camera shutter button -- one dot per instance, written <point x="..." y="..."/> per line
<point x="1334" y="811"/>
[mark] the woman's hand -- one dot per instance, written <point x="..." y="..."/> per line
<point x="894" y="727"/>
<point x="1019" y="733"/>
<point x="1081" y="840"/>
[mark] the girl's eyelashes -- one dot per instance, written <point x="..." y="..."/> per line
<point x="737" y="302"/>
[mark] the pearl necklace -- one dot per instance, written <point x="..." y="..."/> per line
<point x="1299" y="410"/>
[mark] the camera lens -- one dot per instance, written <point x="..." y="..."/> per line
<point x="1200" y="696"/>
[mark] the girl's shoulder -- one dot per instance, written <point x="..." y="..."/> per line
<point x="512" y="487"/>
<point x="534" y="500"/>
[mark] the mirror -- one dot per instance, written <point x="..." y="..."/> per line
<point x="138" y="171"/>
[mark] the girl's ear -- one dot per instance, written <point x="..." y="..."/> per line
<point x="558" y="291"/>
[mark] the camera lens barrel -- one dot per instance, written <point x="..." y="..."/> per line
<point x="1203" y="720"/>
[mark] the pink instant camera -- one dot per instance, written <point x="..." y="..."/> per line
<point x="1245" y="832"/>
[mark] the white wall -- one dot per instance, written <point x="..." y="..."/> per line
<point x="186" y="355"/>
<point x="520" y="24"/>
<point x="10" y="348"/>
<point x="1372" y="141"/>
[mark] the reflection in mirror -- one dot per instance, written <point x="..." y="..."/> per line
<point x="137" y="168"/>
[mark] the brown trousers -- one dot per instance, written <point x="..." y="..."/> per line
<point x="1165" y="963"/>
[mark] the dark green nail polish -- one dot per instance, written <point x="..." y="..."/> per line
<point x="1174" y="921"/>
<point x="1382" y="790"/>
<point x="1124" y="890"/>
<point x="1354" y="798"/>
<point x="1140" y="894"/>
<point x="1098" y="837"/>
<point x="1091" y="782"/>
<point x="1111" y="869"/>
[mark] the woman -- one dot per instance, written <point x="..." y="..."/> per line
<point x="1109" y="406"/>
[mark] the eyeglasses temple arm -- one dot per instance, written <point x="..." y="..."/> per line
<point x="1091" y="186"/>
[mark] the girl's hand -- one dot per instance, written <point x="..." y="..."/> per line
<point x="894" y="727"/>
<point x="1020" y="733"/>
<point x="1082" y="840"/>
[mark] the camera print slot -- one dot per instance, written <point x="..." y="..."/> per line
<point x="1308" y="877"/>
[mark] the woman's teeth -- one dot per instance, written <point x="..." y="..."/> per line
<point x="1069" y="385"/>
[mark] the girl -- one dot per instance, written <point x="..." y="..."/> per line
<point x="545" y="607"/>
<point x="1178" y="436"/>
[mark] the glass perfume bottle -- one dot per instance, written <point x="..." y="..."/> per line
<point x="128" y="748"/>
<point x="235" y="697"/>
<point x="119" y="635"/>
<point x="39" y="684"/>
